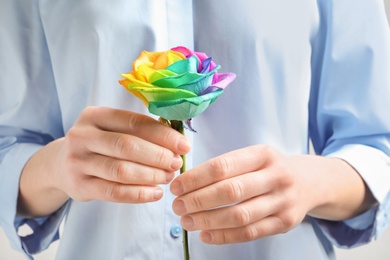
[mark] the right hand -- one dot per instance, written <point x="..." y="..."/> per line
<point x="118" y="156"/>
<point x="108" y="154"/>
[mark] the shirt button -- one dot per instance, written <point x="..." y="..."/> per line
<point x="176" y="231"/>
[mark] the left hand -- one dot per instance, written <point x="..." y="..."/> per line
<point x="241" y="196"/>
<point x="256" y="192"/>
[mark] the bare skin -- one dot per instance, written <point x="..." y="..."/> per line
<point x="109" y="155"/>
<point x="115" y="155"/>
<point x="257" y="191"/>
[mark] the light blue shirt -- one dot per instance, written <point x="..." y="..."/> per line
<point x="306" y="70"/>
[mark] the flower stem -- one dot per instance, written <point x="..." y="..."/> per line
<point x="178" y="126"/>
<point x="185" y="232"/>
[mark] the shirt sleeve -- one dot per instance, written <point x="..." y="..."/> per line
<point x="45" y="229"/>
<point x="30" y="117"/>
<point x="350" y="106"/>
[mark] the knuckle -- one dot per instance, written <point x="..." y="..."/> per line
<point x="123" y="145"/>
<point x="220" y="168"/>
<point x="162" y="158"/>
<point x="169" y="136"/>
<point x="268" y="151"/>
<point x="249" y="233"/>
<point x="140" y="195"/>
<point x="204" y="222"/>
<point x="197" y="202"/>
<point x="156" y="177"/>
<point x="73" y="136"/>
<point x="286" y="222"/>
<point x="114" y="192"/>
<point x="225" y="238"/>
<point x="109" y="192"/>
<point x="118" y="171"/>
<point x="241" y="216"/>
<point x="89" y="110"/>
<point x="90" y="113"/>
<point x="234" y="190"/>
<point x="285" y="177"/>
<point x="135" y="121"/>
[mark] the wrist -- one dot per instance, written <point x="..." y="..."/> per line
<point x="339" y="192"/>
<point x="39" y="192"/>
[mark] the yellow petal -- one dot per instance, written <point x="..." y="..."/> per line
<point x="125" y="83"/>
<point x="174" y="56"/>
<point x="146" y="57"/>
<point x="146" y="72"/>
<point x="167" y="58"/>
<point x="134" y="81"/>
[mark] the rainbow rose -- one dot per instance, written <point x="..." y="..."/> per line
<point x="177" y="84"/>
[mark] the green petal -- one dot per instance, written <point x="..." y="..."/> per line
<point x="184" y="108"/>
<point x="194" y="82"/>
<point x="158" y="74"/>
<point x="183" y="66"/>
<point x="199" y="85"/>
<point x="176" y="81"/>
<point x="162" y="94"/>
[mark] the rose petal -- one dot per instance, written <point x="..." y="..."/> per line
<point x="198" y="86"/>
<point x="160" y="94"/>
<point x="193" y="82"/>
<point x="158" y="74"/>
<point x="145" y="57"/>
<point x="134" y="81"/>
<point x="206" y="64"/>
<point x="177" y="84"/>
<point x="167" y="58"/>
<point x="184" y="50"/>
<point x="151" y="75"/>
<point x="183" y="109"/>
<point x="125" y="83"/>
<point x="201" y="56"/>
<point x="220" y="81"/>
<point x="158" y="60"/>
<point x="183" y="66"/>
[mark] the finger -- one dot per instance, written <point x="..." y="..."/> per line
<point x="225" y="192"/>
<point x="135" y="149"/>
<point x="223" y="167"/>
<point x="99" y="189"/>
<point x="268" y="226"/>
<point x="144" y="127"/>
<point x="238" y="215"/>
<point x="124" y="172"/>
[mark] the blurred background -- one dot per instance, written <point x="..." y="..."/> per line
<point x="377" y="250"/>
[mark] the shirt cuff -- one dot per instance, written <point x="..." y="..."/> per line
<point x="45" y="230"/>
<point x="374" y="168"/>
<point x="349" y="233"/>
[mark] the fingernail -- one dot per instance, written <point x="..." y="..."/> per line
<point x="179" y="207"/>
<point x="158" y="193"/>
<point x="176" y="162"/>
<point x="206" y="237"/>
<point x="184" y="145"/>
<point x="169" y="176"/>
<point x="177" y="188"/>
<point x="187" y="222"/>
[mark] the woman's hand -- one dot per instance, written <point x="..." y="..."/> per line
<point x="108" y="154"/>
<point x="257" y="191"/>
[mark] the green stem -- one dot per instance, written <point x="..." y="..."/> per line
<point x="178" y="126"/>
